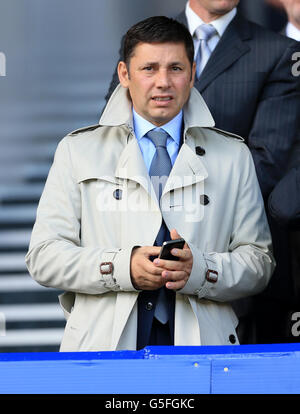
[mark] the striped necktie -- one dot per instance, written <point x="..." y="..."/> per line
<point x="203" y="33"/>
<point x="160" y="168"/>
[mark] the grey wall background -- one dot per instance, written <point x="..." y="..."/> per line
<point x="60" y="55"/>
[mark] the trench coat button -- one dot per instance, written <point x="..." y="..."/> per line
<point x="200" y="151"/>
<point x="117" y="194"/>
<point x="204" y="199"/>
<point x="232" y="339"/>
<point x="149" y="306"/>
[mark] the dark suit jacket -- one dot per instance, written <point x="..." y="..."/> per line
<point x="284" y="201"/>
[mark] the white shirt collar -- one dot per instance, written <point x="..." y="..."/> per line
<point x="292" y="31"/>
<point x="141" y="126"/>
<point x="219" y="24"/>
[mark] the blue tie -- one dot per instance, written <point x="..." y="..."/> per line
<point x="160" y="168"/>
<point x="203" y="33"/>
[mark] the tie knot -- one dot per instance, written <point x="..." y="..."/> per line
<point x="158" y="137"/>
<point x="205" y="32"/>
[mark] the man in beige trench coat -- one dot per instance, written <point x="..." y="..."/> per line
<point x="99" y="217"/>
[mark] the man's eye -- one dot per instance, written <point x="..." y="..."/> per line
<point x="148" y="68"/>
<point x="176" y="68"/>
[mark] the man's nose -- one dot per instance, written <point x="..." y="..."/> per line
<point x="162" y="79"/>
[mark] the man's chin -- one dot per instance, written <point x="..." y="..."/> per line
<point x="159" y="121"/>
<point x="161" y="117"/>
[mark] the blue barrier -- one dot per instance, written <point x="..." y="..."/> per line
<point x="242" y="369"/>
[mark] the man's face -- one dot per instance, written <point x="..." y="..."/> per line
<point x="215" y="7"/>
<point x="292" y="8"/>
<point x="159" y="79"/>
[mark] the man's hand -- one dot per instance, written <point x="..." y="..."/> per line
<point x="176" y="273"/>
<point x="144" y="274"/>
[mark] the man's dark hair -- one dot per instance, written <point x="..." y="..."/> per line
<point x="157" y="29"/>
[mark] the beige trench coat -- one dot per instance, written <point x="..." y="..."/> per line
<point x="81" y="223"/>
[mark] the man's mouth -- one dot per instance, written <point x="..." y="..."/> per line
<point x="162" y="98"/>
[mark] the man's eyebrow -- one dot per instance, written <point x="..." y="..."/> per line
<point x="177" y="63"/>
<point x="149" y="63"/>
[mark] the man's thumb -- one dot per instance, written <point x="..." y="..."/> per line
<point x="174" y="234"/>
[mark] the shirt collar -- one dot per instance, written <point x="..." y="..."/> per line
<point x="141" y="126"/>
<point x="219" y="24"/>
<point x="292" y="31"/>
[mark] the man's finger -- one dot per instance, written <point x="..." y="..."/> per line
<point x="174" y="235"/>
<point x="173" y="276"/>
<point x="151" y="250"/>
<point x="182" y="253"/>
<point x="151" y="282"/>
<point x="151" y="269"/>
<point x="169" y="264"/>
<point x="176" y="285"/>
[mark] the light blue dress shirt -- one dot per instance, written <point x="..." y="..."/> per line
<point x="141" y="126"/>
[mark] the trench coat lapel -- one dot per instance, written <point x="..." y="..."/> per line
<point x="131" y="166"/>
<point x="187" y="170"/>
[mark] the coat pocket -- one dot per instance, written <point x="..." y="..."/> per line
<point x="66" y="301"/>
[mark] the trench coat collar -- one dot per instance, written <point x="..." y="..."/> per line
<point x="118" y="110"/>
<point x="131" y="165"/>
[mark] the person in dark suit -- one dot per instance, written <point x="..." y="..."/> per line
<point x="292" y="9"/>
<point x="284" y="207"/>
<point x="249" y="87"/>
<point x="284" y="200"/>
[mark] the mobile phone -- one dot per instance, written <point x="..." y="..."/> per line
<point x="165" y="252"/>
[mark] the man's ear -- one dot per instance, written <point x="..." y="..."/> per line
<point x="193" y="73"/>
<point x="123" y="74"/>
